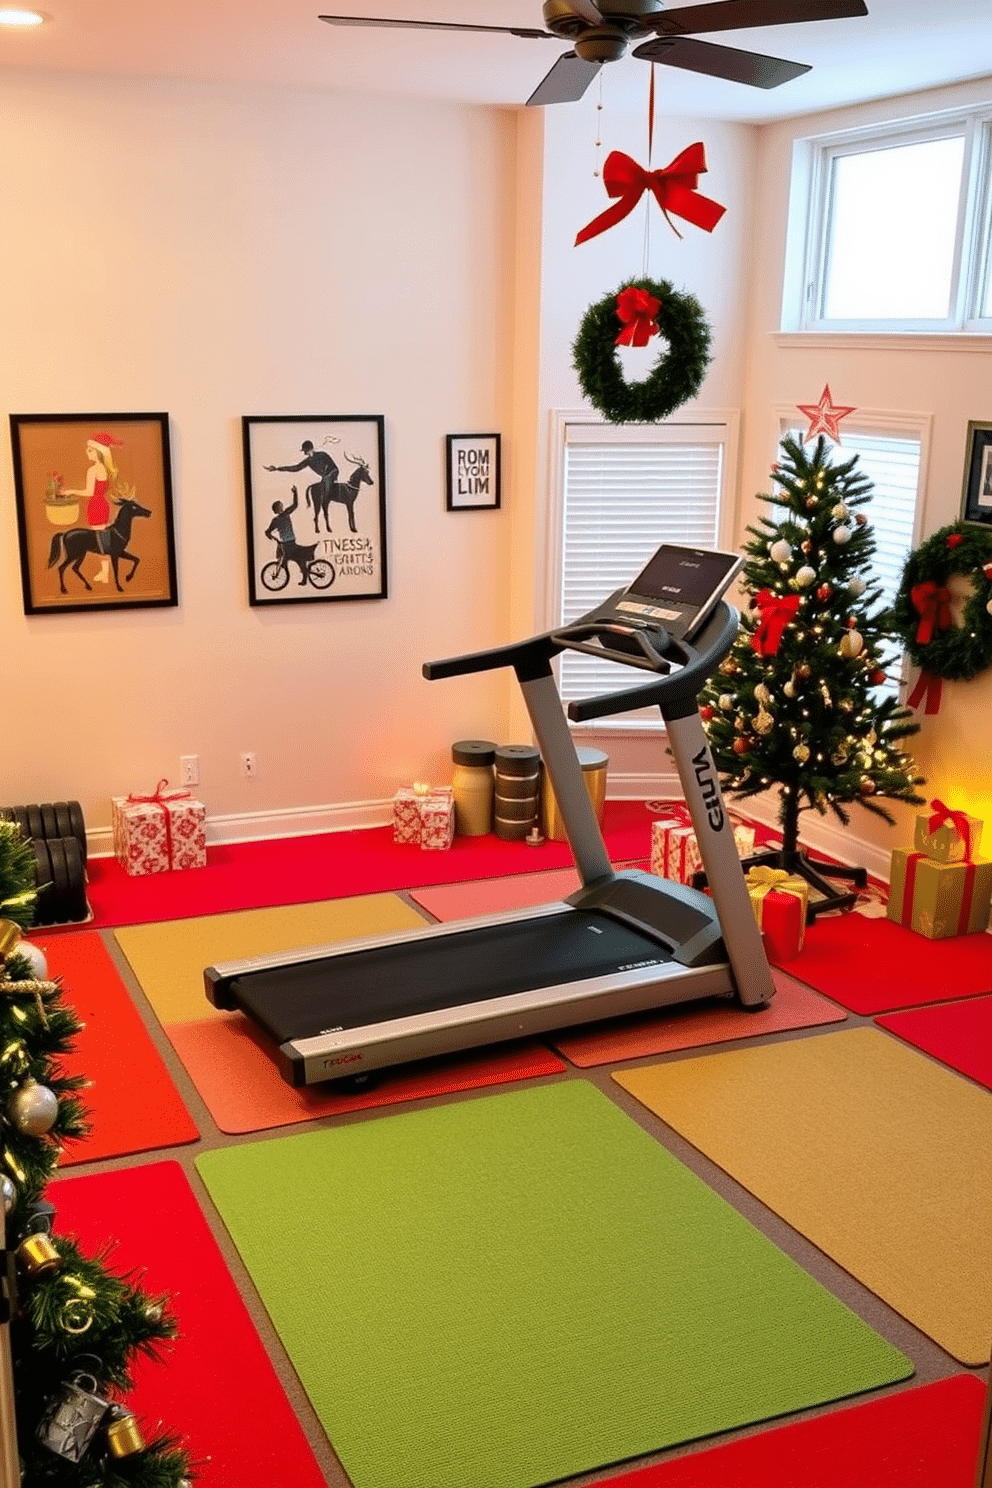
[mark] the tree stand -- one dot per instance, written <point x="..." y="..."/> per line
<point x="817" y="875"/>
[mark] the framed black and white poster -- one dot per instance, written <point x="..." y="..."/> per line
<point x="473" y="472"/>
<point x="976" y="501"/>
<point x="315" y="495"/>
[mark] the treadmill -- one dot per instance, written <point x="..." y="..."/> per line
<point x="624" y="942"/>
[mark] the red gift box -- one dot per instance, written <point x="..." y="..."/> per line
<point x="779" y="901"/>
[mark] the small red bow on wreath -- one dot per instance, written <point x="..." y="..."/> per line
<point x="637" y="309"/>
<point x="673" y="188"/>
<point x="776" y="612"/>
<point x="932" y="602"/>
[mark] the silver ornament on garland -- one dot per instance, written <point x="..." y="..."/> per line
<point x="33" y="1109"/>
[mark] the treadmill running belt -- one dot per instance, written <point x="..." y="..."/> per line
<point x="358" y="988"/>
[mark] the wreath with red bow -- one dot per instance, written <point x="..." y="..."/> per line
<point x="630" y="316"/>
<point x="942" y="645"/>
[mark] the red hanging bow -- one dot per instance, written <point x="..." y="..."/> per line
<point x="958" y="819"/>
<point x="776" y="612"/>
<point x="637" y="309"/>
<point x="932" y="603"/>
<point x="928" y="691"/>
<point x="673" y="188"/>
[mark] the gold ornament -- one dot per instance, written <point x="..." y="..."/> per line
<point x="804" y="670"/>
<point x="764" y="722"/>
<point x="10" y="935"/>
<point x="805" y="576"/>
<point x="801" y="753"/>
<point x="789" y="689"/>
<point x="37" y="1256"/>
<point x="124" y="1437"/>
<point x="851" y="643"/>
<point x="728" y="667"/>
<point x="762" y="694"/>
<point x="725" y="703"/>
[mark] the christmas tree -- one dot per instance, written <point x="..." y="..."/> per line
<point x="70" y="1328"/>
<point x="795" y="703"/>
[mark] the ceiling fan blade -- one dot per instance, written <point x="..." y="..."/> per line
<point x="565" y="83"/>
<point x="721" y="61"/>
<point x="525" y="31"/>
<point x="740" y="15"/>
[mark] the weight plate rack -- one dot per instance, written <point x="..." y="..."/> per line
<point x="56" y="831"/>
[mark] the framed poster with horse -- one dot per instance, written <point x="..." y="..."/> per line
<point x="315" y="492"/>
<point x="94" y="511"/>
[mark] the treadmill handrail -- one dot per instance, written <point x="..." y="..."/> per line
<point x="675" y="693"/>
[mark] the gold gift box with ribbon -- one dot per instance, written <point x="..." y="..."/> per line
<point x="947" y="836"/>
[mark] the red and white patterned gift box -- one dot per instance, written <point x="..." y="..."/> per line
<point x="155" y="833"/>
<point x="675" y="852"/>
<point x="424" y="816"/>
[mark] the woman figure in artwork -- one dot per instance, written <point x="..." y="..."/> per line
<point x="101" y="478"/>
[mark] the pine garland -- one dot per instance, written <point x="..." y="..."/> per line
<point x="954" y="652"/>
<point x="675" y="378"/>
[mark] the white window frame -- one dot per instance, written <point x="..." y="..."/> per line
<point x="882" y="424"/>
<point x="809" y="221"/>
<point x="724" y="424"/>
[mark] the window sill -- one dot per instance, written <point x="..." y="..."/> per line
<point x="887" y="340"/>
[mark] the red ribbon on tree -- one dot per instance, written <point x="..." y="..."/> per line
<point x="957" y="819"/>
<point x="673" y="188"/>
<point x="776" y="612"/>
<point x="637" y="309"/>
<point x="932" y="602"/>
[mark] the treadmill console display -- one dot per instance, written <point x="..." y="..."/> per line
<point x="678" y="588"/>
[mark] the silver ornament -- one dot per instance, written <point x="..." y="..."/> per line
<point x="34" y="954"/>
<point x="856" y="586"/>
<point x="780" y="551"/>
<point x="33" y="1109"/>
<point x="806" y="576"/>
<point x="842" y="535"/>
<point x="8" y="1193"/>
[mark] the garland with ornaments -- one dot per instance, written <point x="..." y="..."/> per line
<point x="943" y="610"/>
<point x="69" y="1327"/>
<point x="631" y="316"/>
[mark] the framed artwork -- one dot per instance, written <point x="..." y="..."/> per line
<point x="976" y="501"/>
<point x="473" y="472"/>
<point x="94" y="511"/>
<point x="315" y="493"/>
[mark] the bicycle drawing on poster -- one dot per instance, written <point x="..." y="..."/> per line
<point x="315" y="494"/>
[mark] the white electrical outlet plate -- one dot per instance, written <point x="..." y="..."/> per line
<point x="189" y="769"/>
<point x="248" y="766"/>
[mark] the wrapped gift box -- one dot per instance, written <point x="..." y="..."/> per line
<point x="675" y="851"/>
<point x="779" y="901"/>
<point x="939" y="900"/>
<point x="938" y="834"/>
<point x="153" y="834"/>
<point x="424" y="816"/>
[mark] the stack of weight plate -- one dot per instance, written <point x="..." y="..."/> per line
<point x="518" y="784"/>
<point x="57" y="834"/>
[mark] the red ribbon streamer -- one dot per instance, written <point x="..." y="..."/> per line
<point x="928" y="691"/>
<point x="958" y="819"/>
<point x="637" y="309"/>
<point x="909" y="892"/>
<point x="159" y="798"/>
<point x="776" y="612"/>
<point x="673" y="187"/>
<point x="932" y="603"/>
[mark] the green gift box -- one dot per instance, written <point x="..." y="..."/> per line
<point x="947" y="836"/>
<point x="939" y="900"/>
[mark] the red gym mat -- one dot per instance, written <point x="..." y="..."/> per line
<point x="133" y="1105"/>
<point x="232" y="1066"/>
<point x="875" y="966"/>
<point x="920" y="1438"/>
<point x="959" y="1034"/>
<point x="216" y="1386"/>
<point x="334" y="865"/>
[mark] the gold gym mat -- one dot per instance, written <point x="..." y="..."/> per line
<point x="877" y="1155"/>
<point x="168" y="959"/>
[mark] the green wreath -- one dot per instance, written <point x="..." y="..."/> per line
<point x="921" y="613"/>
<point x="676" y="377"/>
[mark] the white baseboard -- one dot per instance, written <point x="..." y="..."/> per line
<point x="349" y="816"/>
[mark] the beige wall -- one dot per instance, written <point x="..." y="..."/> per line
<point x="947" y="380"/>
<point x="217" y="251"/>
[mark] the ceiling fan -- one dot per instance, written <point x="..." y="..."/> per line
<point x="603" y="31"/>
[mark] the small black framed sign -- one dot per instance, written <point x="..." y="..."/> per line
<point x="315" y="493"/>
<point x="976" y="500"/>
<point x="473" y="473"/>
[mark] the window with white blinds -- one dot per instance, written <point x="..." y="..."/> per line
<point x="892" y="462"/>
<point x="625" y="490"/>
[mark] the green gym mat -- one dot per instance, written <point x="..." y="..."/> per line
<point x="512" y="1289"/>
